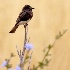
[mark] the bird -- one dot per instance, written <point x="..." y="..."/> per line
<point x="24" y="17"/>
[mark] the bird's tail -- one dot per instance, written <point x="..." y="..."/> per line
<point x="14" y="29"/>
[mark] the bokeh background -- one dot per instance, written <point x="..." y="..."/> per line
<point x="50" y="17"/>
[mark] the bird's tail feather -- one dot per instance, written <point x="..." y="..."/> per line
<point x="14" y="29"/>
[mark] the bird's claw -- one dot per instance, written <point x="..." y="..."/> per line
<point x="25" y="25"/>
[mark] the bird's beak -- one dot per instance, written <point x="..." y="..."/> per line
<point x="33" y="8"/>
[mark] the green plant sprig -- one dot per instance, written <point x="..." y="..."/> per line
<point x="45" y="61"/>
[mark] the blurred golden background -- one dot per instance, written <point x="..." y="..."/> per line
<point x="50" y="17"/>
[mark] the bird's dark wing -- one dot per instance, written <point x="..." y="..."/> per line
<point x="20" y="17"/>
<point x="24" y="16"/>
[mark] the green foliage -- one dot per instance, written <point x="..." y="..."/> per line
<point x="8" y="65"/>
<point x="26" y="59"/>
<point x="45" y="61"/>
<point x="49" y="46"/>
<point x="41" y="65"/>
<point x="60" y="34"/>
<point x="12" y="55"/>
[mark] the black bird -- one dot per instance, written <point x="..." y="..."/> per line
<point x="24" y="17"/>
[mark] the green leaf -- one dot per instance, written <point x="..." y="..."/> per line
<point x="12" y="55"/>
<point x="8" y="66"/>
<point x="44" y="49"/>
<point x="60" y="34"/>
<point x="57" y="37"/>
<point x="64" y="31"/>
<point x="49" y="46"/>
<point x="25" y="61"/>
<point x="27" y="57"/>
<point x="41" y="64"/>
<point x="6" y="59"/>
<point x="46" y="62"/>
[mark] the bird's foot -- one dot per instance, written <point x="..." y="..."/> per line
<point x="25" y="25"/>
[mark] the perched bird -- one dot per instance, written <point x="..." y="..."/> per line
<point x="24" y="17"/>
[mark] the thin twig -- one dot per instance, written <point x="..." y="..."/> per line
<point x="30" y="61"/>
<point x="25" y="39"/>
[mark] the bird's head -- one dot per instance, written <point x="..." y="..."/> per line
<point x="27" y="7"/>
